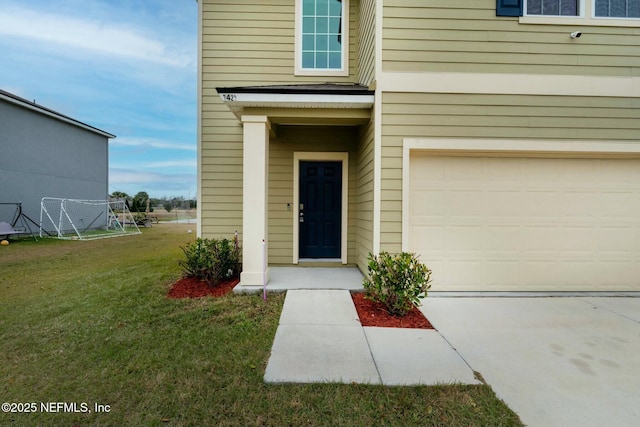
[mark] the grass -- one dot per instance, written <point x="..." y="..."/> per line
<point x="89" y="322"/>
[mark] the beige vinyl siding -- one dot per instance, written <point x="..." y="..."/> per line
<point x="466" y="36"/>
<point x="248" y="43"/>
<point x="252" y="43"/>
<point x="366" y="45"/>
<point x="364" y="195"/>
<point x="305" y="138"/>
<point x="511" y="117"/>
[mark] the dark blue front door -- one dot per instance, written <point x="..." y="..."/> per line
<point x="320" y="209"/>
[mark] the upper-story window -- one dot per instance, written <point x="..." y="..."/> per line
<point x="573" y="12"/>
<point x="322" y="42"/>
<point x="553" y="7"/>
<point x="617" y="9"/>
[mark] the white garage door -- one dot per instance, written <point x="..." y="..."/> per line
<point x="534" y="224"/>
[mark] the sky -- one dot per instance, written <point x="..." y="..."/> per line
<point x="127" y="67"/>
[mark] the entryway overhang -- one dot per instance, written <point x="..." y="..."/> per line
<point x="261" y="109"/>
<point x="314" y="104"/>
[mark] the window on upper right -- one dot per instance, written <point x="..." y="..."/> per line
<point x="573" y="12"/>
<point x="617" y="9"/>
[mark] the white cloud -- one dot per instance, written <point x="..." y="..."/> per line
<point x="151" y="143"/>
<point x="171" y="164"/>
<point x="92" y="35"/>
<point x="156" y="184"/>
<point x="124" y="176"/>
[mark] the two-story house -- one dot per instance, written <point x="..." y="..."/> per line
<point x="500" y="140"/>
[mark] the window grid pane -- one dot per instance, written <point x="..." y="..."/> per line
<point x="553" y="7"/>
<point x="618" y="8"/>
<point x="322" y="34"/>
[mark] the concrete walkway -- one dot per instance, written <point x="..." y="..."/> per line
<point x="556" y="361"/>
<point x="288" y="278"/>
<point x="320" y="339"/>
<point x="566" y="361"/>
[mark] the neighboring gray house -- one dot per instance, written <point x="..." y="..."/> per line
<point x="46" y="154"/>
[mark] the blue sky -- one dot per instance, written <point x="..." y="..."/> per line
<point x="127" y="67"/>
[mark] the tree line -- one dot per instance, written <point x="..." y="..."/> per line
<point x="138" y="203"/>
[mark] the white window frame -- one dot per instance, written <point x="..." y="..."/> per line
<point x="344" y="71"/>
<point x="586" y="17"/>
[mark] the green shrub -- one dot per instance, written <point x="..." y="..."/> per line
<point x="211" y="260"/>
<point x="397" y="281"/>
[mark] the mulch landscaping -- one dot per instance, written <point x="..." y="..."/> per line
<point x="372" y="313"/>
<point x="191" y="287"/>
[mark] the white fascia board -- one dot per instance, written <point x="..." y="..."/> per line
<point x="357" y="101"/>
<point x="510" y="84"/>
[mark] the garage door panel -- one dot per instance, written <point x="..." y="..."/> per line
<point x="428" y="203"/>
<point x="579" y="204"/>
<point x="619" y="274"/>
<point x="430" y="169"/>
<point x="427" y="238"/>
<point x="464" y="239"/>
<point x="462" y="169"/>
<point x="575" y="172"/>
<point x="462" y="273"/>
<point x="575" y="239"/>
<point x="617" y="239"/>
<point x="619" y="173"/>
<point x="509" y="200"/>
<point x="576" y="274"/>
<point x="508" y="223"/>
<point x="538" y="239"/>
<point x="502" y="238"/>
<point x="464" y="203"/>
<point x="618" y="205"/>
<point x="496" y="168"/>
<point x="534" y="274"/>
<point x="539" y="204"/>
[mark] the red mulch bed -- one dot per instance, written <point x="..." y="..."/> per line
<point x="373" y="313"/>
<point x="191" y="287"/>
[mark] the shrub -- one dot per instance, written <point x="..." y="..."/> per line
<point x="211" y="260"/>
<point x="397" y="281"/>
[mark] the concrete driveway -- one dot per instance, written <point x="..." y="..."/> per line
<point x="556" y="361"/>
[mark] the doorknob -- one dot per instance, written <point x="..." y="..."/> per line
<point x="301" y="216"/>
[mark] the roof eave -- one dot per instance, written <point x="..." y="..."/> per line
<point x="302" y="97"/>
<point x="53" y="114"/>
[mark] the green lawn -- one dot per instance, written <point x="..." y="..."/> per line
<point x="87" y="322"/>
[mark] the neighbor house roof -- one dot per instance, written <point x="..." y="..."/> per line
<point x="14" y="99"/>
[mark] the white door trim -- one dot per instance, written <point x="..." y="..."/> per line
<point x="343" y="157"/>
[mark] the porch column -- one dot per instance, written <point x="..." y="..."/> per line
<point x="255" y="183"/>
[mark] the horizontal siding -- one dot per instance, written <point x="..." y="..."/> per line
<point x="253" y="43"/>
<point x="364" y="196"/>
<point x="298" y="138"/>
<point x="244" y="43"/>
<point x="366" y="45"/>
<point x="512" y="117"/>
<point x="466" y="36"/>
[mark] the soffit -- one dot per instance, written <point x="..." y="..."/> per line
<point x="302" y="104"/>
